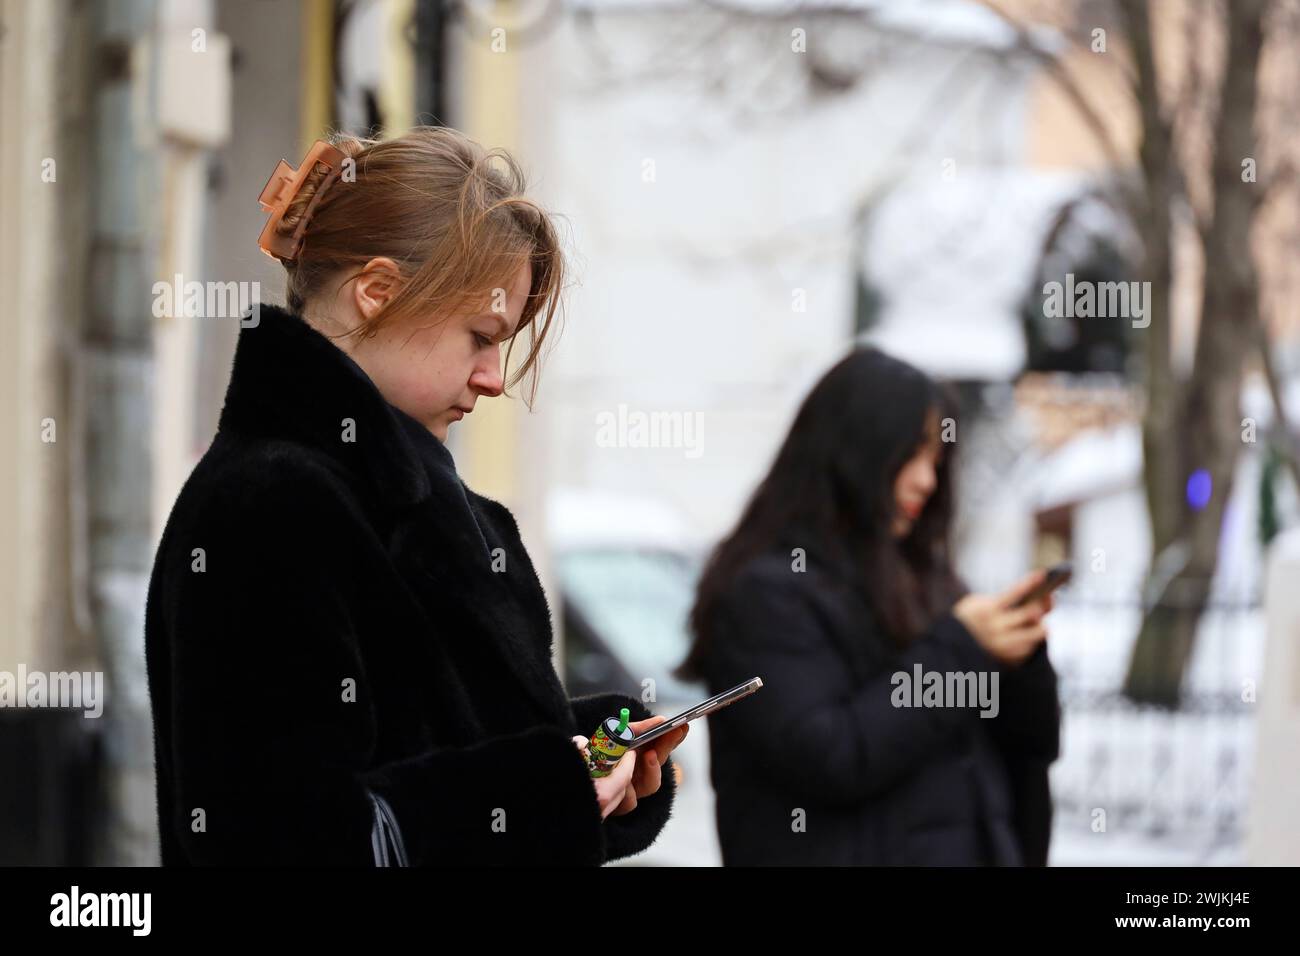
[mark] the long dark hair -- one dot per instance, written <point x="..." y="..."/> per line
<point x="830" y="491"/>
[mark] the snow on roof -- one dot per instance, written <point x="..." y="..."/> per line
<point x="1093" y="463"/>
<point x="953" y="260"/>
<point x="972" y="345"/>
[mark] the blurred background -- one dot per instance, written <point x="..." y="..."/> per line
<point x="748" y="188"/>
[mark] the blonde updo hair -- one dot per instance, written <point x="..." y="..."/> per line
<point x="457" y="225"/>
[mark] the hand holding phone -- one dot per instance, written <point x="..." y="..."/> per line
<point x="614" y="737"/>
<point x="1007" y="626"/>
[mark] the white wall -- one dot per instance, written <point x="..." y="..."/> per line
<point x="38" y="311"/>
<point x="1273" y="839"/>
<point x="688" y="281"/>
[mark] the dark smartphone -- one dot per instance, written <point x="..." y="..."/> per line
<point x="699" y="710"/>
<point x="1057" y="575"/>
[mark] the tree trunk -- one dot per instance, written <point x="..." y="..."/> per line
<point x="1207" y="425"/>
<point x="1150" y="208"/>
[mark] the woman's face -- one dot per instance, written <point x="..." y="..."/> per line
<point x="436" y="369"/>
<point x="917" y="479"/>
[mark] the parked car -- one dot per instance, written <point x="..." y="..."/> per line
<point x="626" y="567"/>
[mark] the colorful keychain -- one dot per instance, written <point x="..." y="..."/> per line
<point x="608" y="744"/>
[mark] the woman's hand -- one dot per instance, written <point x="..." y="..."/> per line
<point x="1009" y="634"/>
<point x="633" y="778"/>
<point x="648" y="775"/>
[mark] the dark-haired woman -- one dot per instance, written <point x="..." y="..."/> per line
<point x="837" y="588"/>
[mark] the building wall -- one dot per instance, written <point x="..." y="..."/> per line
<point x="712" y="186"/>
<point x="40" y="94"/>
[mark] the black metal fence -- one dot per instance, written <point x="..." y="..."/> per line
<point x="1178" y="779"/>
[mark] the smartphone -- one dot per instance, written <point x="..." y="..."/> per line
<point x="699" y="710"/>
<point x="1057" y="575"/>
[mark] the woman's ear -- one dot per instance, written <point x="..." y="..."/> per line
<point x="378" y="283"/>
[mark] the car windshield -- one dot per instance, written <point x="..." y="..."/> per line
<point x="638" y="602"/>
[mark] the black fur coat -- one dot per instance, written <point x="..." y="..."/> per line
<point x="324" y="618"/>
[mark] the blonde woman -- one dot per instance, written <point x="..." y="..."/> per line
<point x="349" y="652"/>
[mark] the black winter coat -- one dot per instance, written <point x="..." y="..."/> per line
<point x="876" y="784"/>
<point x="324" y="619"/>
